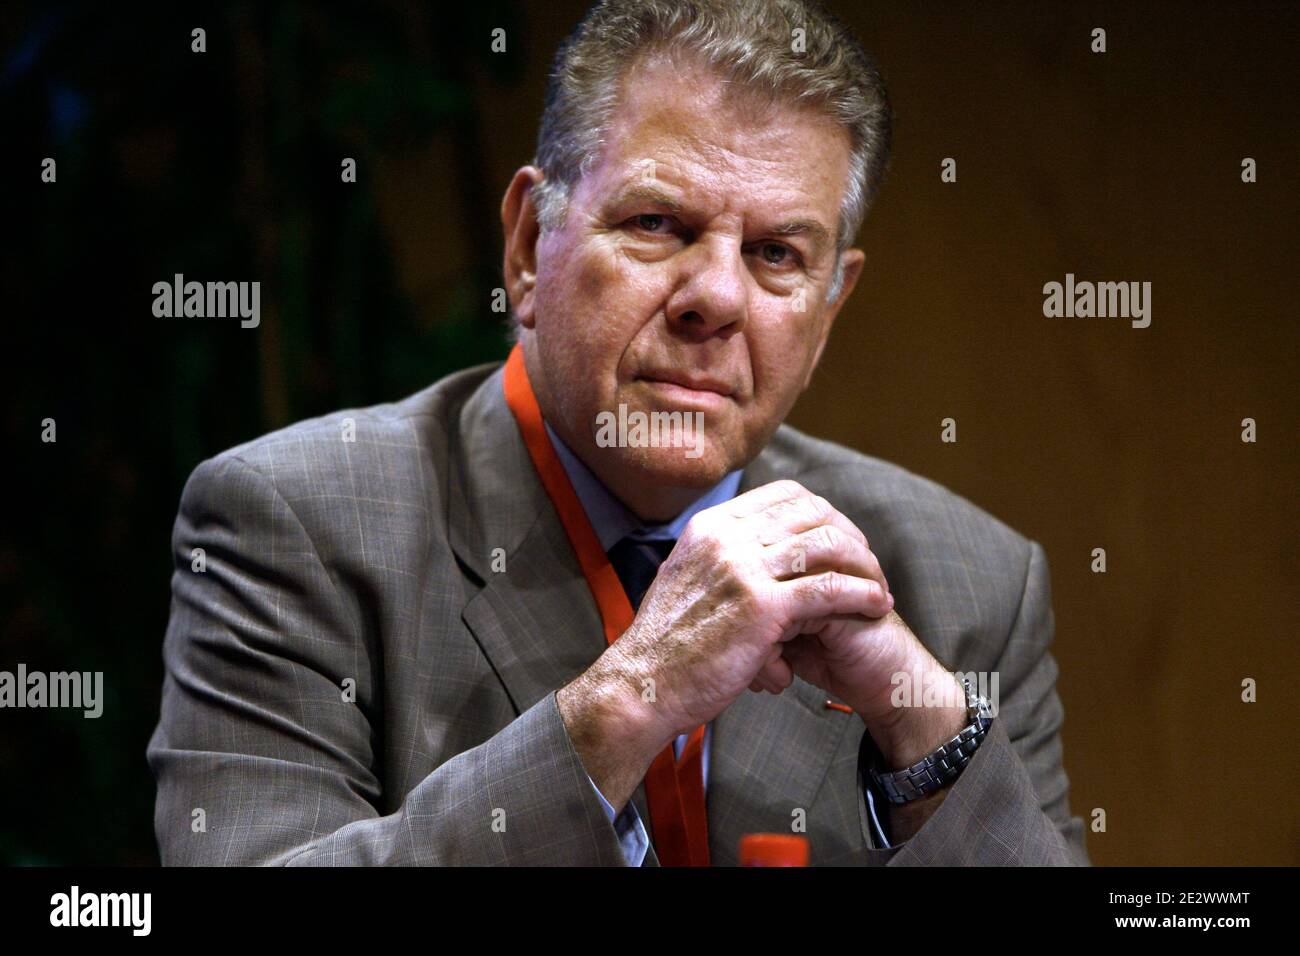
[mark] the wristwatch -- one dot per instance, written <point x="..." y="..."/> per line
<point x="943" y="765"/>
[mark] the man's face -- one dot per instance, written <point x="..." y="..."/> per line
<point x="690" y="275"/>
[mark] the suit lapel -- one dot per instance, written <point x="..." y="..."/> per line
<point x="534" y="618"/>
<point x="538" y="625"/>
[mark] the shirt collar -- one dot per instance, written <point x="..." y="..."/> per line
<point x="612" y="520"/>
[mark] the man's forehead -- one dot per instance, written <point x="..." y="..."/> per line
<point x="676" y="150"/>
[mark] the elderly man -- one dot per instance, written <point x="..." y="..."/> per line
<point x="472" y="627"/>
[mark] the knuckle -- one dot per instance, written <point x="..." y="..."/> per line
<point x="701" y="525"/>
<point x="828" y="586"/>
<point x="790" y="488"/>
<point x="825" y="539"/>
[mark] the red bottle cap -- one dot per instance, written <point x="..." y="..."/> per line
<point x="773" y="849"/>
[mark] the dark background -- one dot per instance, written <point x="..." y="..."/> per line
<point x="1079" y="433"/>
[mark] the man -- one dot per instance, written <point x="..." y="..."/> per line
<point x="486" y="626"/>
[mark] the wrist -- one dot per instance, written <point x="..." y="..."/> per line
<point x="913" y="732"/>
<point x="602" y="707"/>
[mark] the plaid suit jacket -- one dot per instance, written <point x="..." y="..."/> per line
<point x="361" y="662"/>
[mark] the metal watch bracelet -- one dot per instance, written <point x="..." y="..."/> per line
<point x="941" y="767"/>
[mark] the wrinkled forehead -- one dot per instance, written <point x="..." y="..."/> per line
<point x="678" y="122"/>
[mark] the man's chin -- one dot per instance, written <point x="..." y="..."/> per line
<point x="702" y="466"/>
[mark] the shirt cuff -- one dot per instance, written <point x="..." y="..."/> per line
<point x="875" y="821"/>
<point x="631" y="831"/>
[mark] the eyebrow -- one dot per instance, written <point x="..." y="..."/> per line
<point x="646" y="193"/>
<point x="819" y="234"/>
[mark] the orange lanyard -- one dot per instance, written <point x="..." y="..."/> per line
<point x="674" y="789"/>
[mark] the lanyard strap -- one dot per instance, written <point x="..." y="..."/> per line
<point x="674" y="790"/>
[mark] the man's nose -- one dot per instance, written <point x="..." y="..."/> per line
<point x="713" y="290"/>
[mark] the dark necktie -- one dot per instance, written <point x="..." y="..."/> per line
<point x="636" y="563"/>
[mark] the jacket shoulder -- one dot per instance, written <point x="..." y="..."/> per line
<point x="353" y="450"/>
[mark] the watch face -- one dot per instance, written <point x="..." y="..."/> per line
<point x="976" y="706"/>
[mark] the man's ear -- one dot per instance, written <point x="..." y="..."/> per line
<point x="853" y="260"/>
<point x="519" y="224"/>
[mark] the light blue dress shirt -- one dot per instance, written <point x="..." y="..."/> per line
<point x="612" y="522"/>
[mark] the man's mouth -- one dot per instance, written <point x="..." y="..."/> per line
<point x="674" y="382"/>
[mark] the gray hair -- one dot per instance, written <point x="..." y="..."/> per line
<point x="752" y="45"/>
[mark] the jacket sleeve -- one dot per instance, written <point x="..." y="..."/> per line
<point x="1010" y="805"/>
<point x="262" y="757"/>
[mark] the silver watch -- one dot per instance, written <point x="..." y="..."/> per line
<point x="943" y="765"/>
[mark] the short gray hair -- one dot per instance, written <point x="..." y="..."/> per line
<point x="751" y="44"/>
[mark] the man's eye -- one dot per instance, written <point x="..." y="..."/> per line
<point x="775" y="254"/>
<point x="649" y="222"/>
